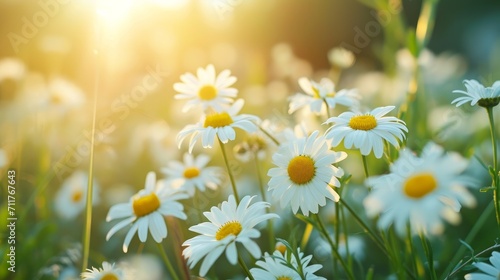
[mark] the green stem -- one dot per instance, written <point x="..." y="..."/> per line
<point x="270" y="229"/>
<point x="471" y="259"/>
<point x="328" y="113"/>
<point x="90" y="185"/>
<point x="365" y="166"/>
<point x="231" y="177"/>
<point x="373" y="236"/>
<point x="269" y="135"/>
<point x="425" y="24"/>
<point x="430" y="257"/>
<point x="412" y="255"/>
<point x="170" y="268"/>
<point x="245" y="268"/>
<point x="494" y="176"/>
<point x="470" y="236"/>
<point x="335" y="252"/>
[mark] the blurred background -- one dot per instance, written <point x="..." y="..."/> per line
<point x="58" y="57"/>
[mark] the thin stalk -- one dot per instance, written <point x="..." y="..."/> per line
<point x="494" y="176"/>
<point x="430" y="257"/>
<point x="270" y="229"/>
<point x="231" y="177"/>
<point x="335" y="252"/>
<point x="170" y="268"/>
<point x="425" y="24"/>
<point x="470" y="236"/>
<point x="328" y="113"/>
<point x="411" y="252"/>
<point x="90" y="185"/>
<point x="471" y="259"/>
<point x="365" y="166"/>
<point x="269" y="135"/>
<point x="245" y="268"/>
<point x="373" y="236"/>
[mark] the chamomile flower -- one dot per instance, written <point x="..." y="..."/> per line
<point x="275" y="267"/>
<point x="422" y="191"/>
<point x="478" y="94"/>
<point x="220" y="125"/>
<point x="229" y="224"/>
<point x="71" y="197"/>
<point x="366" y="131"/>
<point x="107" y="272"/>
<point x="146" y="211"/>
<point x="316" y="94"/>
<point x="305" y="174"/>
<point x="489" y="271"/>
<point x="193" y="174"/>
<point x="207" y="89"/>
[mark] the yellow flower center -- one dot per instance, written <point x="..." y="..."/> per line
<point x="191" y="172"/>
<point x="281" y="248"/>
<point x="109" y="276"/>
<point x="301" y="169"/>
<point x="145" y="205"/>
<point x="232" y="227"/>
<point x="218" y="120"/>
<point x="77" y="196"/>
<point x="363" y="122"/>
<point x="207" y="92"/>
<point x="283" y="278"/>
<point x="419" y="185"/>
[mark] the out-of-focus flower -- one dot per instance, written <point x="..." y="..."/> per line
<point x="420" y="191"/>
<point x="478" y="94"/>
<point x="317" y="94"/>
<point x="252" y="146"/>
<point x="11" y="68"/>
<point x="278" y="267"/>
<point x="146" y="211"/>
<point x="193" y="174"/>
<point x="62" y="95"/>
<point x="341" y="57"/>
<point x="305" y="174"/>
<point x="220" y="125"/>
<point x="488" y="271"/>
<point x="107" y="272"/>
<point x="366" y="131"/>
<point x="71" y="198"/>
<point x="355" y="244"/>
<point x="157" y="140"/>
<point x="229" y="224"/>
<point x="207" y="89"/>
<point x="145" y="267"/>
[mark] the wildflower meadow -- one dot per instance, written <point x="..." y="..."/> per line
<point x="249" y="139"/>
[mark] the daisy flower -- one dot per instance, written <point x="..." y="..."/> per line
<point x="366" y="131"/>
<point x="490" y="271"/>
<point x="220" y="124"/>
<point x="478" y="94"/>
<point x="193" y="174"/>
<point x="421" y="191"/>
<point x="229" y="224"/>
<point x="208" y="89"/>
<point x="107" y="272"/>
<point x="146" y="211"/>
<point x="316" y="94"/>
<point x="305" y="174"/>
<point x="71" y="198"/>
<point x="275" y="267"/>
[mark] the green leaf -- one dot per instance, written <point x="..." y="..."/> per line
<point x="486" y="189"/>
<point x="467" y="246"/>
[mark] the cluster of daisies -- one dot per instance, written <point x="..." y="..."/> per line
<point x="419" y="193"/>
